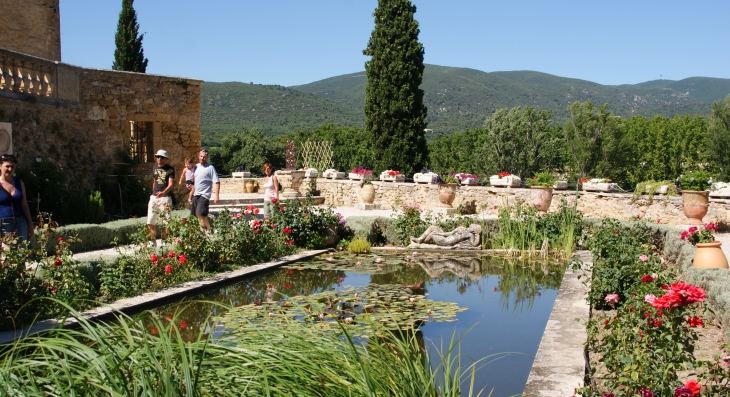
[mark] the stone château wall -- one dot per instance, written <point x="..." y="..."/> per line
<point x="31" y="27"/>
<point x="80" y="118"/>
<point x="667" y="210"/>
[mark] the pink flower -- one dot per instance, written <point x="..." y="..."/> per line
<point x="611" y="298"/>
<point x="274" y="200"/>
<point x="692" y="229"/>
<point x="726" y="359"/>
<point x="170" y="254"/>
<point x="650" y="298"/>
<point x="330" y="259"/>
<point x="177" y="240"/>
<point x="378" y="260"/>
<point x="168" y="269"/>
<point x="643" y="258"/>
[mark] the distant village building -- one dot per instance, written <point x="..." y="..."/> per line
<point x="82" y="118"/>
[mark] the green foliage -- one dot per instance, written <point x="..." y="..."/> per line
<point x="19" y="286"/>
<point x="585" y="133"/>
<point x="616" y="265"/>
<point x="63" y="281"/>
<point x="650" y="188"/>
<point x="96" y="207"/>
<point x="306" y="221"/>
<point x="359" y="246"/>
<point x="129" y="55"/>
<point x="408" y="223"/>
<point x="544" y="179"/>
<point x="695" y="180"/>
<point x="718" y="138"/>
<point x="394" y="110"/>
<point x="350" y="146"/>
<point x="456" y="152"/>
<point x="250" y="149"/>
<point x="521" y="141"/>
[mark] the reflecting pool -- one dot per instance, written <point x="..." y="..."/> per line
<point x="507" y="302"/>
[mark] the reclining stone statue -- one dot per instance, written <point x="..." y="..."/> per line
<point x="461" y="238"/>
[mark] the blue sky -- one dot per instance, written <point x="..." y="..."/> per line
<point x="292" y="42"/>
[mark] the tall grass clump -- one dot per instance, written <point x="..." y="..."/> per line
<point x="149" y="355"/>
<point x="523" y="232"/>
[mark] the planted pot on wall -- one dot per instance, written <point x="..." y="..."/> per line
<point x="710" y="256"/>
<point x="542" y="196"/>
<point x="447" y="194"/>
<point x="695" y="204"/>
<point x="367" y="194"/>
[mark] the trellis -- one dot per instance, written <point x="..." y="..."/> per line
<point x="317" y="154"/>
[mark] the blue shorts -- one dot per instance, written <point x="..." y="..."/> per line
<point x="19" y="226"/>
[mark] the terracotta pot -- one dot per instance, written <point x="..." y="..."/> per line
<point x="695" y="205"/>
<point x="447" y="194"/>
<point x="542" y="196"/>
<point x="367" y="194"/>
<point x="710" y="256"/>
<point x="249" y="187"/>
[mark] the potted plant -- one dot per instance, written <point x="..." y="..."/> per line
<point x="652" y="187"/>
<point x="505" y="179"/>
<point x="425" y="176"/>
<point x="542" y="190"/>
<point x="709" y="254"/>
<point x="465" y="178"/>
<point x="392" y="176"/>
<point x="250" y="185"/>
<point x="367" y="191"/>
<point x="695" y="194"/>
<point x="446" y="190"/>
<point x="360" y="173"/>
<point x="598" y="185"/>
<point x="332" y="173"/>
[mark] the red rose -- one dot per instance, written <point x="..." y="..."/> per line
<point x="153" y="258"/>
<point x="184" y="220"/>
<point x="286" y="230"/>
<point x="695" y="322"/>
<point x="182" y="258"/>
<point x="154" y="331"/>
<point x="281" y="208"/>
<point x="273" y="227"/>
<point x="57" y="262"/>
<point x="168" y="269"/>
<point x="183" y="324"/>
<point x="694" y="386"/>
<point x="59" y="239"/>
<point x="170" y="254"/>
<point x="290" y="242"/>
<point x="274" y="200"/>
<point x="647" y="279"/>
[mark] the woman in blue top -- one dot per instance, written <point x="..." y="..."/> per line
<point x="14" y="211"/>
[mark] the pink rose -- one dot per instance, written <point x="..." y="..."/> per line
<point x="611" y="298"/>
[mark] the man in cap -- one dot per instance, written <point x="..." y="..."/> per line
<point x="163" y="179"/>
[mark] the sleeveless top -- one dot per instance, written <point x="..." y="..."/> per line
<point x="12" y="206"/>
<point x="269" y="190"/>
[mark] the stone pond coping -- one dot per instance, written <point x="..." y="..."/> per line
<point x="156" y="298"/>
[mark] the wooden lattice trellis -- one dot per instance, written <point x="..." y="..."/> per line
<point x="317" y="154"/>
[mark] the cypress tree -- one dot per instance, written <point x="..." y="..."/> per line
<point x="394" y="111"/>
<point x="129" y="55"/>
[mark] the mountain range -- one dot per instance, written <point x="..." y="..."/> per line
<point x="456" y="98"/>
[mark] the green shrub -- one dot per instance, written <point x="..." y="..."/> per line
<point x="306" y="221"/>
<point x="408" y="223"/>
<point x="359" y="246"/>
<point x="695" y="180"/>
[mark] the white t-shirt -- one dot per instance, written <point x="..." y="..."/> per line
<point x="205" y="177"/>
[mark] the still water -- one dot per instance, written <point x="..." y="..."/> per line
<point x="508" y="302"/>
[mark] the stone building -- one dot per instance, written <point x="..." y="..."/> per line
<point x="82" y="118"/>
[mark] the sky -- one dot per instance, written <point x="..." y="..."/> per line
<point x="294" y="42"/>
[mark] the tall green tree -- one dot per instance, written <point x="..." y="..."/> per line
<point x="718" y="138"/>
<point x="586" y="135"/>
<point x="394" y="111"/>
<point x="129" y="55"/>
<point x="250" y="149"/>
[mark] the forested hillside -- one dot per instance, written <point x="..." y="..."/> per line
<point x="457" y="99"/>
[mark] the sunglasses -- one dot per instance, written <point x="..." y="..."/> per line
<point x="8" y="157"/>
<point x="160" y="157"/>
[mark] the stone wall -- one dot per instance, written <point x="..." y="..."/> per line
<point x="31" y="27"/>
<point x="667" y="210"/>
<point x="80" y="118"/>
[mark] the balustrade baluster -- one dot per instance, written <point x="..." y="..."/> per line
<point x="37" y="77"/>
<point x="3" y="75"/>
<point x="47" y="86"/>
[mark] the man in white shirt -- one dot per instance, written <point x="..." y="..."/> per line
<point x="205" y="179"/>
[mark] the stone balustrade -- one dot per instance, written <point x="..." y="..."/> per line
<point x="488" y="199"/>
<point x="26" y="74"/>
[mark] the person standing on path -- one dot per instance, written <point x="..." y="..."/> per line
<point x="271" y="189"/>
<point x="14" y="211"/>
<point x="163" y="179"/>
<point x="205" y="177"/>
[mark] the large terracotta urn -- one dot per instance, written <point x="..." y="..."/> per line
<point x="367" y="194"/>
<point x="447" y="194"/>
<point x="695" y="204"/>
<point x="542" y="196"/>
<point x="710" y="256"/>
